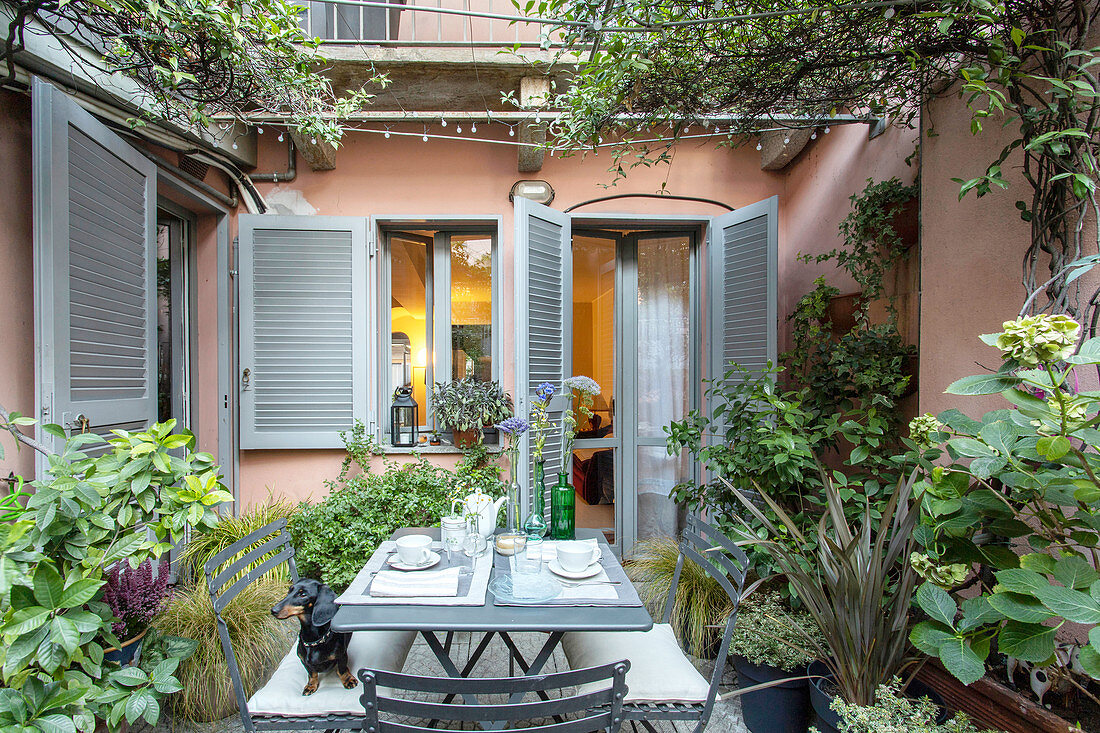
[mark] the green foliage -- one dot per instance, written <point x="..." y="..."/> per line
<point x="768" y="633"/>
<point x="857" y="586"/>
<point x="231" y="529"/>
<point x="468" y="404"/>
<point x="701" y="602"/>
<point x="893" y="712"/>
<point x="90" y="511"/>
<point x="334" y="537"/>
<point x="259" y="641"/>
<point x="1020" y="500"/>
<point x="198" y="59"/>
<point x="867" y="364"/>
<point x="761" y="438"/>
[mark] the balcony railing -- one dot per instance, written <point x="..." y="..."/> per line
<point x="422" y="23"/>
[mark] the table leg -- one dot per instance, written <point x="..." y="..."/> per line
<point x="534" y="668"/>
<point x="445" y="660"/>
<point x="470" y="664"/>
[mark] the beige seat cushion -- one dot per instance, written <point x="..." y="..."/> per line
<point x="282" y="695"/>
<point x="659" y="670"/>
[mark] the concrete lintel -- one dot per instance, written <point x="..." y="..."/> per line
<point x="531" y="158"/>
<point x="780" y="147"/>
<point x="318" y="154"/>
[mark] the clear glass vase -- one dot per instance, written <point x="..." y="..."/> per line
<point x="512" y="510"/>
<point x="535" y="526"/>
<point x="563" y="510"/>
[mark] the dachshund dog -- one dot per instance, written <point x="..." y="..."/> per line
<point x="319" y="648"/>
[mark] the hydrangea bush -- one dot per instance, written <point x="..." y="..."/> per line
<point x="1020" y="499"/>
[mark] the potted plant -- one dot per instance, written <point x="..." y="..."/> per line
<point x="897" y="712"/>
<point x="769" y="644"/>
<point x="135" y="596"/>
<point x="465" y="405"/>
<point x="498" y="408"/>
<point x="857" y="587"/>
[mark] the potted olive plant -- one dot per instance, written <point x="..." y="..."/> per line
<point x="464" y="406"/>
<point x="769" y="645"/>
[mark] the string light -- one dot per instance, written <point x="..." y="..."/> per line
<point x="760" y="146"/>
<point x="473" y="127"/>
<point x="234" y="144"/>
<point x="280" y="136"/>
<point x="787" y="140"/>
<point x="813" y="135"/>
<point x="826" y="130"/>
<point x="511" y="131"/>
<point x="259" y="131"/>
<point x="313" y="141"/>
<point x="443" y="121"/>
<point x="387" y="133"/>
<point x="458" y="129"/>
<point x="425" y="138"/>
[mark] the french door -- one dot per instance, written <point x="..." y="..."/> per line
<point x="636" y="331"/>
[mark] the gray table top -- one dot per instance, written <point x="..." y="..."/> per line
<point x="490" y="617"/>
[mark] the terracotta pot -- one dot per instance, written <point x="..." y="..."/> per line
<point x="466" y="438"/>
<point x="993" y="705"/>
<point x="125" y="654"/>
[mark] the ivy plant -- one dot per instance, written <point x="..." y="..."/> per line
<point x="1021" y="502"/>
<point x="99" y="503"/>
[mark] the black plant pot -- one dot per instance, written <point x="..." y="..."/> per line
<point x="828" y="721"/>
<point x="784" y="708"/>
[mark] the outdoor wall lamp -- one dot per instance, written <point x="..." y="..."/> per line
<point x="538" y="191"/>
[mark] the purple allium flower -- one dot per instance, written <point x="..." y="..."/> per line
<point x="544" y="391"/>
<point x="135" y="596"/>
<point x="514" y="426"/>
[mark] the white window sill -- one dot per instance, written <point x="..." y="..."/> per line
<point x="429" y="449"/>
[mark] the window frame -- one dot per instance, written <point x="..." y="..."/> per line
<point x="438" y="303"/>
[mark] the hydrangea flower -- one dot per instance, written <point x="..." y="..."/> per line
<point x="1035" y="340"/>
<point x="544" y="391"/>
<point x="921" y="428"/>
<point x="586" y="385"/>
<point x="514" y="426"/>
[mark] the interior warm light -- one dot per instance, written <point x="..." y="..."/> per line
<point x="421" y="359"/>
<point x="539" y="191"/>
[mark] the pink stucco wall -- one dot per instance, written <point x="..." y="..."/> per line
<point x="16" y="275"/>
<point x="971" y="252"/>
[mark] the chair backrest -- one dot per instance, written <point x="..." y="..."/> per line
<point x="600" y="709"/>
<point x="728" y="564"/>
<point x="231" y="571"/>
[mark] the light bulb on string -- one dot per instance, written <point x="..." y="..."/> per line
<point x="387" y="133"/>
<point x="813" y="135"/>
<point x="313" y="141"/>
<point x="826" y="130"/>
<point x="259" y="131"/>
<point x="425" y="137"/>
<point x="443" y="121"/>
<point x="234" y="144"/>
<point x="280" y="135"/>
<point x="511" y="131"/>
<point x="458" y="129"/>
<point x="760" y="146"/>
<point x="786" y="141"/>
<point x="473" y="127"/>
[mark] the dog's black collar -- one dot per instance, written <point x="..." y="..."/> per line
<point x="322" y="640"/>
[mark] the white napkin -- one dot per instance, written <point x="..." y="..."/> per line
<point x="420" y="583"/>
<point x="596" y="588"/>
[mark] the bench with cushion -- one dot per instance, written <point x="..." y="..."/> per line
<point x="280" y="704"/>
<point x="662" y="682"/>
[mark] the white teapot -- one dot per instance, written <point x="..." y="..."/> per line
<point x="482" y="510"/>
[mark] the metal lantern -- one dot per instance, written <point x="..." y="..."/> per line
<point x="404" y="418"/>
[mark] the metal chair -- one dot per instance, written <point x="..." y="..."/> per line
<point x="663" y="684"/>
<point x="598" y="700"/>
<point x="279" y="704"/>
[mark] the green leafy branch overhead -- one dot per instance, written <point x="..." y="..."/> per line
<point x="195" y="59"/>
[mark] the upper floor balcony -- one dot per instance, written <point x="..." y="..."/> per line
<point x="424" y="23"/>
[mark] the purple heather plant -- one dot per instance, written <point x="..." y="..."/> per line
<point x="135" y="596"/>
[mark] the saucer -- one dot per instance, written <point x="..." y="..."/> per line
<point x="395" y="562"/>
<point x="555" y="567"/>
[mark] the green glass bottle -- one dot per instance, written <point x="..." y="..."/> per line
<point x="563" y="508"/>
<point x="535" y="526"/>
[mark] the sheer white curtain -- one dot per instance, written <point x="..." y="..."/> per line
<point x="663" y="368"/>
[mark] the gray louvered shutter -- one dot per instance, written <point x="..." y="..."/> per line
<point x="743" y="287"/>
<point x="95" y="270"/>
<point x="544" y="297"/>
<point x="303" y="329"/>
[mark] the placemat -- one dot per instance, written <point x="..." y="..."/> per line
<point x="472" y="587"/>
<point x="620" y="594"/>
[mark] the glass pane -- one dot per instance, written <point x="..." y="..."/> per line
<point x="594" y="482"/>
<point x="664" y="332"/>
<point x="594" y="326"/>
<point x="410" y="339"/>
<point x="658" y="473"/>
<point x="164" y="323"/>
<point x="471" y="306"/>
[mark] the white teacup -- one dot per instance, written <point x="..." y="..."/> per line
<point x="575" y="556"/>
<point x="414" y="549"/>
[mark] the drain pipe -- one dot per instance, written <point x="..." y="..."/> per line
<point x="291" y="167"/>
<point x="227" y="201"/>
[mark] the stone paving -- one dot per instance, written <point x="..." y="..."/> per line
<point x="725" y="719"/>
